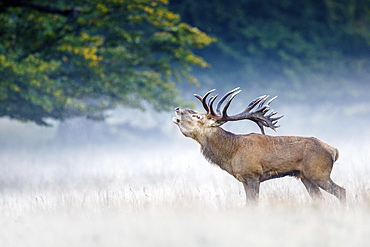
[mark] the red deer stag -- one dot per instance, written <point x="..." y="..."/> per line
<point x="254" y="158"/>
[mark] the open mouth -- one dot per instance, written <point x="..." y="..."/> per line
<point x="176" y="120"/>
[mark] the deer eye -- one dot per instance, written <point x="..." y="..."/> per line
<point x="196" y="116"/>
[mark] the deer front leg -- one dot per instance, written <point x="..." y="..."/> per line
<point x="312" y="189"/>
<point x="252" y="188"/>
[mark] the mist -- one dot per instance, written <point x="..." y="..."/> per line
<point x="136" y="173"/>
<point x="149" y="147"/>
<point x="135" y="180"/>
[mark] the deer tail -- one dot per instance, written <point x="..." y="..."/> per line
<point x="336" y="154"/>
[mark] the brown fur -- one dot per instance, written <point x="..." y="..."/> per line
<point x="254" y="158"/>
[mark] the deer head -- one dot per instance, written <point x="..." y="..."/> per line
<point x="192" y="123"/>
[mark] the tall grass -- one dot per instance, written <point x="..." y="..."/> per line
<point x="94" y="196"/>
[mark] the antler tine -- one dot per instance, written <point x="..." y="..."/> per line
<point x="203" y="99"/>
<point x="271" y="122"/>
<point x="275" y="120"/>
<point x="224" y="111"/>
<point x="210" y="105"/>
<point x="257" y="111"/>
<point x="255" y="102"/>
<point x="273" y="113"/>
<point x="262" y="109"/>
<point x="260" y="125"/>
<point x="269" y="102"/>
<point x="223" y="99"/>
<point x="263" y="100"/>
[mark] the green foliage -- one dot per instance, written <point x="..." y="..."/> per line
<point x="72" y="58"/>
<point x="285" y="43"/>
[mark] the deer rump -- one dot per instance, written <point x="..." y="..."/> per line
<point x="254" y="158"/>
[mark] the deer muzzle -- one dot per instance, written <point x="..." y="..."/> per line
<point x="176" y="119"/>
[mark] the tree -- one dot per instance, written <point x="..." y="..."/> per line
<point x="318" y="44"/>
<point x="64" y="58"/>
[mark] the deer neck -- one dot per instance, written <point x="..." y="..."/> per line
<point x="218" y="146"/>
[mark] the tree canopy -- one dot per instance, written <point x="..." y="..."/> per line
<point x="70" y="58"/>
<point x="64" y="58"/>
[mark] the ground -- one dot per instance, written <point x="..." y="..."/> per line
<point x="106" y="196"/>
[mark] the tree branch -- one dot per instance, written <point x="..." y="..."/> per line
<point x="40" y="8"/>
<point x="70" y="15"/>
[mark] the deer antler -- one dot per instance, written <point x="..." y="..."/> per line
<point x="256" y="110"/>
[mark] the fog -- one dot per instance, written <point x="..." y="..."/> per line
<point x="150" y="148"/>
<point x="147" y="149"/>
<point x="135" y="174"/>
<point x="134" y="179"/>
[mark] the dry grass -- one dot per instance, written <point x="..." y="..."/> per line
<point x="106" y="197"/>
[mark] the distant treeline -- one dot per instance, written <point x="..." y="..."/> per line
<point x="322" y="44"/>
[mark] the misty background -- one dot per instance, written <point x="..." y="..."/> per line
<point x="315" y="55"/>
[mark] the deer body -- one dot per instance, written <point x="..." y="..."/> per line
<point x="254" y="158"/>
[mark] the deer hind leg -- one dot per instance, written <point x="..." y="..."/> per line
<point x="333" y="189"/>
<point x="312" y="189"/>
<point x="252" y="188"/>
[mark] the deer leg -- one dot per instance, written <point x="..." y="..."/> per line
<point x="252" y="188"/>
<point x="312" y="189"/>
<point x="333" y="189"/>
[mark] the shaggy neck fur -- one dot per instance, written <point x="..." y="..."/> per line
<point x="218" y="146"/>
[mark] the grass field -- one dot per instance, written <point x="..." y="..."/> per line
<point x="94" y="196"/>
